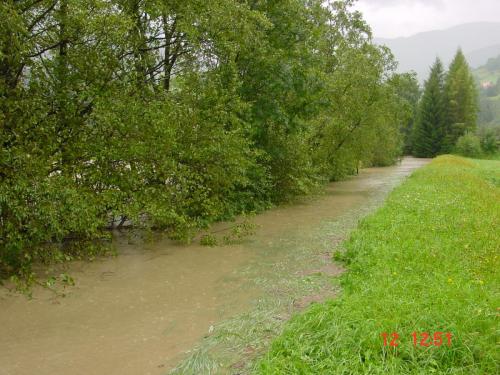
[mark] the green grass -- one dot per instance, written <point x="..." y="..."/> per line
<point x="235" y="343"/>
<point x="281" y="271"/>
<point x="427" y="261"/>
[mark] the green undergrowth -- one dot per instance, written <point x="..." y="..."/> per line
<point x="427" y="261"/>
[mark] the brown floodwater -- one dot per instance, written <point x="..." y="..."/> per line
<point x="138" y="313"/>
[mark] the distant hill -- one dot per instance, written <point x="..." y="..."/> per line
<point x="488" y="77"/>
<point x="479" y="41"/>
<point x="489" y="72"/>
<point x="478" y="57"/>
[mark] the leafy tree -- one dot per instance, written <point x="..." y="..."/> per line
<point x="408" y="90"/>
<point x="430" y="127"/>
<point x="486" y="114"/>
<point x="172" y="115"/>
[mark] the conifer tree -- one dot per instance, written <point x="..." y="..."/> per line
<point x="461" y="100"/>
<point x="429" y="129"/>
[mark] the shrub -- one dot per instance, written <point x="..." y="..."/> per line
<point x="468" y="145"/>
<point x="489" y="142"/>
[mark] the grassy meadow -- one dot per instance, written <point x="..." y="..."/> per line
<point x="426" y="262"/>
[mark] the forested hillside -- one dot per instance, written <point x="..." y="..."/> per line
<point x="488" y="77"/>
<point x="489" y="72"/>
<point x="479" y="41"/>
<point x="172" y="115"/>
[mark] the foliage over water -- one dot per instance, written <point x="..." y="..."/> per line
<point x="173" y="115"/>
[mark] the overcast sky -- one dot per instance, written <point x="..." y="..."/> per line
<point x="393" y="18"/>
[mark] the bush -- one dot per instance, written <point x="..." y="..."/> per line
<point x="489" y="142"/>
<point x="468" y="145"/>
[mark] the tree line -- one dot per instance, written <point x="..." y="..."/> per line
<point x="489" y="100"/>
<point x="175" y="114"/>
<point x="447" y="110"/>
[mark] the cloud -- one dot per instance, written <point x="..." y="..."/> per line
<point x="393" y="18"/>
<point x="379" y="3"/>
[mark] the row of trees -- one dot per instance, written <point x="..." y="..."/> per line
<point x="447" y="110"/>
<point x="174" y="114"/>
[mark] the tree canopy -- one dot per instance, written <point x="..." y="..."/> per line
<point x="462" y="101"/>
<point x="448" y="108"/>
<point x="429" y="132"/>
<point x="172" y="115"/>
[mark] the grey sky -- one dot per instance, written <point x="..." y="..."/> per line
<point x="393" y="18"/>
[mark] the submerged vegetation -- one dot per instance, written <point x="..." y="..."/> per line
<point x="169" y="116"/>
<point x="173" y="115"/>
<point x="291" y="270"/>
<point x="426" y="262"/>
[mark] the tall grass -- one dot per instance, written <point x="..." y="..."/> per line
<point x="427" y="261"/>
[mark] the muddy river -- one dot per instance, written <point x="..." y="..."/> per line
<point x="139" y="312"/>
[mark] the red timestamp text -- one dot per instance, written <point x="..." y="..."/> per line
<point x="423" y="339"/>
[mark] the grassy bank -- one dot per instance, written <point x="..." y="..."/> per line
<point x="290" y="269"/>
<point x="425" y="262"/>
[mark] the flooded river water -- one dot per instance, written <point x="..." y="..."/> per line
<point x="139" y="312"/>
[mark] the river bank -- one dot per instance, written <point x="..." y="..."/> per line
<point x="141" y="311"/>
<point x="421" y="292"/>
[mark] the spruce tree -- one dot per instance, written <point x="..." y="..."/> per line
<point x="428" y="132"/>
<point x="461" y="99"/>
